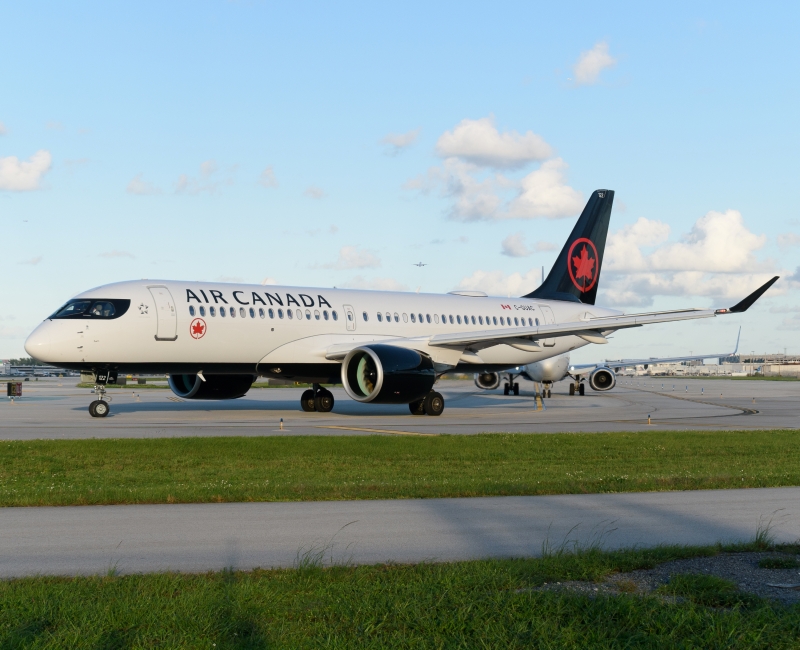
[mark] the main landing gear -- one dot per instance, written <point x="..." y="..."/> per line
<point x="511" y="387"/>
<point x="317" y="399"/>
<point x="577" y="387"/>
<point x="431" y="404"/>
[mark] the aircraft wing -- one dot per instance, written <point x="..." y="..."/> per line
<point x="583" y="368"/>
<point x="592" y="329"/>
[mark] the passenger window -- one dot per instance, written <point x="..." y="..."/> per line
<point x="420" y="318"/>
<point x="222" y="312"/>
<point x="516" y="321"/>
<point x="451" y="319"/>
<point x="202" y="311"/>
<point x="530" y="322"/>
<point x="494" y="319"/>
<point x="325" y="314"/>
<point x="388" y="317"/>
<point x="242" y="312"/>
<point x="480" y="320"/>
<point x="502" y="321"/>
<point x="299" y="315"/>
<point x="537" y="322"/>
<point x="413" y="318"/>
<point x="349" y="316"/>
<point x="280" y="313"/>
<point x="405" y="318"/>
<point x="428" y="317"/>
<point x="473" y="320"/>
<point x="212" y="311"/>
<point x="316" y="314"/>
<point x="334" y="315"/>
<point x="436" y="318"/>
<point x="271" y="312"/>
<point x="191" y="310"/>
<point x="458" y="318"/>
<point x="252" y="313"/>
<point x="366" y="317"/>
<point x="308" y="314"/>
<point x="396" y="318"/>
<point x="233" y="312"/>
<point x="289" y="314"/>
<point x="261" y="312"/>
<point x="380" y="317"/>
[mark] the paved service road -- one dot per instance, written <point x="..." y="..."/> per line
<point x="191" y="538"/>
<point x="50" y="410"/>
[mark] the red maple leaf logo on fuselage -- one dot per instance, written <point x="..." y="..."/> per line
<point x="197" y="328"/>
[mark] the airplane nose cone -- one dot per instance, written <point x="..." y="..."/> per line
<point x="38" y="344"/>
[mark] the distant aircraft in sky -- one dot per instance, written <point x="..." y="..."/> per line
<point x="420" y="264"/>
<point x="386" y="347"/>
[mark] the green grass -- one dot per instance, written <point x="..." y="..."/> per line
<point x="708" y="590"/>
<point x="306" y="468"/>
<point x="778" y="562"/>
<point x="480" y="604"/>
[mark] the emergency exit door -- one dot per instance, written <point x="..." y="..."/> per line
<point x="350" y="318"/>
<point x="167" y="327"/>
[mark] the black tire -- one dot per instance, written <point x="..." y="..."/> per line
<point x="307" y="401"/>
<point x="433" y="403"/>
<point x="572" y="389"/>
<point x="516" y="388"/>
<point x="506" y="389"/>
<point x="549" y="393"/>
<point x="416" y="407"/>
<point x="582" y="389"/>
<point x="99" y="409"/>
<point x="323" y="402"/>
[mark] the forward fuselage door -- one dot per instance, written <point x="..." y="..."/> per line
<point x="549" y="319"/>
<point x="167" y="314"/>
<point x="350" y="318"/>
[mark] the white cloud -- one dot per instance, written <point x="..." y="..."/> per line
<point x="514" y="246"/>
<point x="3" y="129"/>
<point x="141" y="187"/>
<point x="717" y="259"/>
<point x="544" y="193"/>
<point x="591" y="63"/>
<point x="267" y="178"/>
<point x="33" y="261"/>
<point x="352" y="257"/>
<point x="542" y="246"/>
<point x="788" y="239"/>
<point x="396" y="142"/>
<point x="208" y="181"/>
<point x="115" y="253"/>
<point x="19" y="176"/>
<point x="497" y="283"/>
<point x="479" y="142"/>
<point x="374" y="284"/>
<point x="267" y="281"/>
<point x="315" y="192"/>
<point x="54" y="125"/>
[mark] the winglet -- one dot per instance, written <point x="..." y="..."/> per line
<point x="738" y="336"/>
<point x="745" y="304"/>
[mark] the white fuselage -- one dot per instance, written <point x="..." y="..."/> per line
<point x="268" y="329"/>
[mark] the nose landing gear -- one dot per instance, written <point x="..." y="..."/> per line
<point x="100" y="408"/>
<point x="317" y="399"/>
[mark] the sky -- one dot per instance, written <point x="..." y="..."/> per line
<point x="337" y="144"/>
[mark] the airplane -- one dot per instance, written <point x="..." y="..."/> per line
<point x="214" y="339"/>
<point x="601" y="376"/>
<point x="419" y="264"/>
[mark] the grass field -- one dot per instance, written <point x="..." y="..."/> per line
<point x="194" y="470"/>
<point x="479" y="604"/>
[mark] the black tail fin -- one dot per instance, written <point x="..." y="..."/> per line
<point x="576" y="272"/>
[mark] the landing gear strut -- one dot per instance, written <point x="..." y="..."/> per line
<point x="100" y="408"/>
<point x="431" y="404"/>
<point x="577" y="387"/>
<point x="511" y="387"/>
<point x="317" y="399"/>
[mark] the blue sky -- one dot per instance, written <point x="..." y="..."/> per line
<point x="338" y="144"/>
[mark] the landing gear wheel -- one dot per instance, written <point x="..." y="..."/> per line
<point x="323" y="402"/>
<point x="433" y="403"/>
<point x="572" y="389"/>
<point x="516" y="388"/>
<point x="506" y="389"/>
<point x="99" y="409"/>
<point x="307" y="401"/>
<point x="582" y="389"/>
<point x="417" y="407"/>
<point x="549" y="393"/>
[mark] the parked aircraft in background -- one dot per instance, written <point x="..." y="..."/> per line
<point x="214" y="339"/>
<point x="600" y="376"/>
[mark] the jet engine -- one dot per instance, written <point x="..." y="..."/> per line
<point x="386" y="374"/>
<point x="487" y="380"/>
<point x="602" y="379"/>
<point x="214" y="386"/>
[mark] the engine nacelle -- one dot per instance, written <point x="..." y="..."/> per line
<point x="602" y="379"/>
<point x="385" y="374"/>
<point x="487" y="380"/>
<point x="214" y="386"/>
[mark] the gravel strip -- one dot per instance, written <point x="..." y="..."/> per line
<point x="740" y="568"/>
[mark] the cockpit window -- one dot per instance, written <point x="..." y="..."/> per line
<point x="106" y="309"/>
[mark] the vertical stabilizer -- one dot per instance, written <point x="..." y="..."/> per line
<point x="575" y="274"/>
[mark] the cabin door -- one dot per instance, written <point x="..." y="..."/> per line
<point x="167" y="328"/>
<point x="549" y="319"/>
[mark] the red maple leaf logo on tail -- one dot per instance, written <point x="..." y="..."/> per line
<point x="584" y="265"/>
